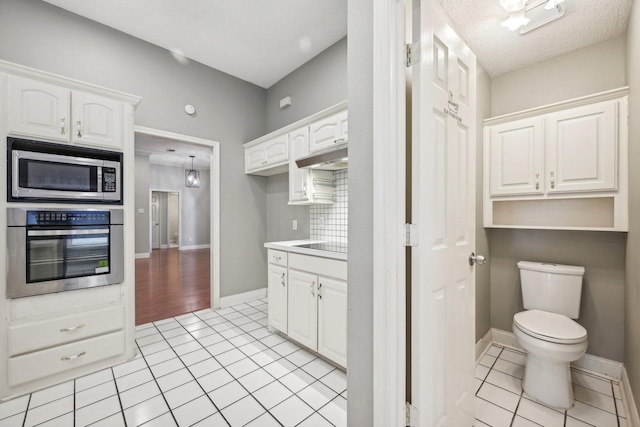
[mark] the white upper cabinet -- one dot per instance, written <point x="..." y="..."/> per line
<point x="582" y="149"/>
<point x="561" y="166"/>
<point x="516" y="151"/>
<point x="38" y="109"/>
<point x="43" y="110"/>
<point x="267" y="155"/>
<point x="299" y="140"/>
<point x="328" y="132"/>
<point x="96" y="120"/>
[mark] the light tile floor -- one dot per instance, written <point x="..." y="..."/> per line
<point x="208" y="368"/>
<point x="500" y="401"/>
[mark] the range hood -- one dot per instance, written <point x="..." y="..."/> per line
<point x="327" y="160"/>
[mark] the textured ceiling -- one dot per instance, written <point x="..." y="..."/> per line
<point x="499" y="50"/>
<point x="259" y="41"/>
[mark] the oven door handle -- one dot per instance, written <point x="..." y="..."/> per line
<point x="67" y="232"/>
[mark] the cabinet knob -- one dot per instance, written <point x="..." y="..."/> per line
<point x="283" y="284"/>
<point x="63" y="125"/>
<point x="75" y="356"/>
<point x="553" y="182"/>
<point x="537" y="181"/>
<point x="338" y="141"/>
<point x="313" y="286"/>
<point x="319" y="287"/>
<point x="79" y="124"/>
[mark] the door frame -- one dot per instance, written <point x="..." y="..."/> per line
<point x="389" y="201"/>
<point x="214" y="207"/>
<point x="166" y="192"/>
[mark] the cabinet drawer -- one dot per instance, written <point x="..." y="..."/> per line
<point x="40" y="364"/>
<point x="317" y="265"/>
<point x="33" y="336"/>
<point x="278" y="257"/>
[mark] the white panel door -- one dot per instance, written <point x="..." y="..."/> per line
<point x="38" y="109"/>
<point x="443" y="207"/>
<point x="582" y="149"/>
<point x="302" y="308"/>
<point x="278" y="297"/>
<point x="299" y="145"/>
<point x="516" y="150"/>
<point x="332" y="319"/>
<point x="96" y="120"/>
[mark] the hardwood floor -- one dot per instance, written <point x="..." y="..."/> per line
<point x="170" y="283"/>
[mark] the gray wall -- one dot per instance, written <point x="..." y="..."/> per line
<point x="231" y="111"/>
<point x="142" y="202"/>
<point x="586" y="71"/>
<point x="360" y="297"/>
<point x="194" y="213"/>
<point x="280" y="215"/>
<point x="316" y="85"/>
<point x="632" y="279"/>
<point x="483" y="279"/>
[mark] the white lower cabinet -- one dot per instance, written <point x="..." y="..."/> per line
<point x="308" y="302"/>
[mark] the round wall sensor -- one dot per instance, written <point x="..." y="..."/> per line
<point x="189" y="109"/>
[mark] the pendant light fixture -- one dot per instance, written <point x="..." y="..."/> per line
<point x="192" y="176"/>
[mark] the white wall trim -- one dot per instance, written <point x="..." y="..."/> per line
<point x="389" y="253"/>
<point x="483" y="345"/>
<point x="588" y="362"/>
<point x="243" y="297"/>
<point x="633" y="419"/>
<point x="143" y="255"/>
<point x="190" y="247"/>
<point x="214" y="182"/>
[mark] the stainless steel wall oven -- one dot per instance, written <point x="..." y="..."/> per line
<point x="45" y="172"/>
<point x="54" y="250"/>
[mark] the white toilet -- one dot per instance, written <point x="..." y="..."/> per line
<point x="551" y="297"/>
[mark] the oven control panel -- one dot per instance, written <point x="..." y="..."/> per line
<point x="44" y="217"/>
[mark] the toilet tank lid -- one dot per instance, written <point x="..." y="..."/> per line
<point x="549" y="267"/>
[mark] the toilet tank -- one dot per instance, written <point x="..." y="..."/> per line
<point x="555" y="288"/>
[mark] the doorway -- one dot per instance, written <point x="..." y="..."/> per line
<point x="165" y="219"/>
<point x="165" y="235"/>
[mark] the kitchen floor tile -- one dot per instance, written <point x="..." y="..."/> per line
<point x="133" y="380"/>
<point x="167" y="367"/>
<point x="499" y="396"/>
<point x="97" y="411"/>
<point x="174" y="379"/>
<point x="335" y="380"/>
<point x="315" y="420"/>
<point x="292" y="411"/>
<point x="183" y="394"/>
<point x="13" y="407"/>
<point x="50" y="394"/>
<point x="491" y="414"/>
<point x="264" y="420"/>
<point x="317" y="395"/>
<point x="227" y="394"/>
<point x="297" y="380"/>
<point x="42" y="413"/>
<point x="94" y="394"/>
<point x="272" y="394"/>
<point x="540" y="414"/>
<point x="242" y="367"/>
<point x="139" y="394"/>
<point x="200" y="409"/>
<point x="145" y="411"/>
<point x="256" y="380"/>
<point x="335" y="411"/>
<point x="243" y="411"/>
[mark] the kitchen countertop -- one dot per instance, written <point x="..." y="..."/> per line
<point x="294" y="246"/>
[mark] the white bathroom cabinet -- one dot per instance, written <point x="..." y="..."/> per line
<point x="47" y="111"/>
<point x="562" y="166"/>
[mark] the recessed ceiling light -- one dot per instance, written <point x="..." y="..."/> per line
<point x="171" y="150"/>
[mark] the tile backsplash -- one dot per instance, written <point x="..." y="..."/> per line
<point x="329" y="222"/>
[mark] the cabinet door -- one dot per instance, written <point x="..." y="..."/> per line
<point x="582" y="148"/>
<point x="516" y="150"/>
<point x="96" y="120"/>
<point x="38" y="109"/>
<point x="332" y="319"/>
<point x="277" y="150"/>
<point x="255" y="158"/>
<point x="302" y="309"/>
<point x="299" y="141"/>
<point x="328" y="132"/>
<point x="278" y="297"/>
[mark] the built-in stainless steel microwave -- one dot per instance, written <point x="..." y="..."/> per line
<point x="45" y="172"/>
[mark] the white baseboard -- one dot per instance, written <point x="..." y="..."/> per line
<point x="588" y="362"/>
<point x="633" y="419"/>
<point x="143" y="255"/>
<point x="187" y="248"/>
<point x="243" y="297"/>
<point x="164" y="246"/>
<point x="483" y="345"/>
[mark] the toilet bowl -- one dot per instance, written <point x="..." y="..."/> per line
<point x="552" y="342"/>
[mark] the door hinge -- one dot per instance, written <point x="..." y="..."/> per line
<point x="410" y="235"/>
<point x="412" y="54"/>
<point x="411" y="415"/>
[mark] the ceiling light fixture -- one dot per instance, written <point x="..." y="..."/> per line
<point x="192" y="176"/>
<point x="553" y="3"/>
<point x="515" y="20"/>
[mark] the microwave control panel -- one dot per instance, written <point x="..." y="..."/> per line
<point x="108" y="180"/>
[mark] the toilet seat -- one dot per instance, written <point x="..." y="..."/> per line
<point x="549" y="327"/>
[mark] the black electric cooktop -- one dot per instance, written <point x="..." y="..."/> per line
<point x="330" y="247"/>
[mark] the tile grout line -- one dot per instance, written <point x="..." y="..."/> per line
<point x="26" y="411"/>
<point x="515" y="411"/>
<point x="115" y="382"/>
